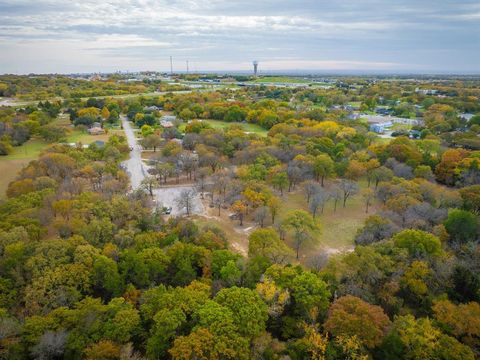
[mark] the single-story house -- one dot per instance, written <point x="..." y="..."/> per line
<point x="152" y="108"/>
<point x="96" y="131"/>
<point x="166" y="123"/>
<point x="379" y="128"/>
<point x="169" y="118"/>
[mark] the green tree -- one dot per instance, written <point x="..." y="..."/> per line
<point x="310" y="294"/>
<point x="280" y="181"/>
<point x="461" y="225"/>
<point x="303" y="226"/>
<point x="267" y="243"/>
<point x="249" y="311"/>
<point x="106" y="278"/>
<point x="418" y="242"/>
<point x="421" y="340"/>
<point x="164" y="330"/>
<point x="323" y="167"/>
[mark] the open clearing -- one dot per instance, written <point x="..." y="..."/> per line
<point x="167" y="197"/>
<point x="248" y="128"/>
<point x="337" y="229"/>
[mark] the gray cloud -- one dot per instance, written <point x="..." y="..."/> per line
<point x="405" y="35"/>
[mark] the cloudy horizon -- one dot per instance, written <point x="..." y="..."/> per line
<point x="53" y="36"/>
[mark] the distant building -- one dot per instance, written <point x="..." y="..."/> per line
<point x="466" y="116"/>
<point x="98" y="143"/>
<point x="426" y="91"/>
<point x="383" y="111"/>
<point x="380" y="128"/>
<point x="166" y="124"/>
<point x="380" y="119"/>
<point x="152" y="108"/>
<point x="96" y="131"/>
<point x="169" y="118"/>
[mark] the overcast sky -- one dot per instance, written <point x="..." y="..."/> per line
<point x="62" y="36"/>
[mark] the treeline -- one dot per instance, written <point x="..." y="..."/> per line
<point x="88" y="272"/>
<point x="18" y="126"/>
<point x="45" y="87"/>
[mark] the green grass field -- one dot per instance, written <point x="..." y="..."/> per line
<point x="337" y="229"/>
<point x="29" y="150"/>
<point x="282" y="79"/>
<point x="251" y="128"/>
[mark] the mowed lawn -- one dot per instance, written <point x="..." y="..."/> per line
<point x="247" y="127"/>
<point x="282" y="79"/>
<point x="336" y="229"/>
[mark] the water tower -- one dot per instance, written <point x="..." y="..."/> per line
<point x="255" y="67"/>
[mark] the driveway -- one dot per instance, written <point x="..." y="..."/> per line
<point x="134" y="166"/>
<point x="138" y="171"/>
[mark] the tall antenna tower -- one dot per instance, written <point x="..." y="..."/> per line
<point x="255" y="67"/>
<point x="171" y="66"/>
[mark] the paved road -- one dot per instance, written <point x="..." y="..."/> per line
<point x="138" y="171"/>
<point x="135" y="166"/>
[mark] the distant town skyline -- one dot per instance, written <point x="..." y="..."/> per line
<point x="362" y="36"/>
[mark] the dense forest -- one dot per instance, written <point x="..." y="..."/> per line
<point x="91" y="268"/>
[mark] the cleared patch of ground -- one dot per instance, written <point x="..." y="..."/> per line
<point x="237" y="236"/>
<point x="248" y="128"/>
<point x="337" y="229"/>
<point x="336" y="234"/>
<point x="168" y="196"/>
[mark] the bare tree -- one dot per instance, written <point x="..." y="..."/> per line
<point x="318" y="202"/>
<point x="218" y="204"/>
<point x="311" y="188"/>
<point x="260" y="215"/>
<point x="188" y="162"/>
<point x="201" y="182"/>
<point x="294" y="174"/>
<point x="336" y="195"/>
<point x="368" y="195"/>
<point x="348" y="188"/>
<point x="186" y="199"/>
<point x="149" y="183"/>
<point x="51" y="345"/>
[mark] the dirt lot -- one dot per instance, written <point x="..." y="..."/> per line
<point x="167" y="197"/>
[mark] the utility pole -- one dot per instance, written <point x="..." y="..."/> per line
<point x="187" y="66"/>
<point x="171" y="66"/>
